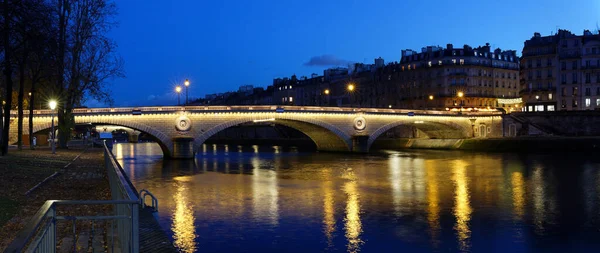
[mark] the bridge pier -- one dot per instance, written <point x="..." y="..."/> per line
<point x="360" y="143"/>
<point x="183" y="148"/>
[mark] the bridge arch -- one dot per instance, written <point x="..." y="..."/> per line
<point x="327" y="137"/>
<point x="163" y="140"/>
<point x="451" y="129"/>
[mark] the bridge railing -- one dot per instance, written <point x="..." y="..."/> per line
<point x="62" y="221"/>
<point x="262" y="108"/>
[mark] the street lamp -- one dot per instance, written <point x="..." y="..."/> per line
<point x="52" y="105"/>
<point x="326" y="91"/>
<point x="178" y="90"/>
<point x="187" y="84"/>
<point x="351" y="89"/>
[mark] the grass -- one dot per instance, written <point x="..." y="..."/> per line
<point x="8" y="208"/>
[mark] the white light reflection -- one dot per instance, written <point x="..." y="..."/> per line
<point x="353" y="224"/>
<point x="265" y="194"/>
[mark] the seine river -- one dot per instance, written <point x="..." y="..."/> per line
<point x="270" y="199"/>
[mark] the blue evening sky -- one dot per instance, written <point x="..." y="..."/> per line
<point x="220" y="45"/>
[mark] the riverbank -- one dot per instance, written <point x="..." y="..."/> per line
<point x="520" y="144"/>
<point x="80" y="175"/>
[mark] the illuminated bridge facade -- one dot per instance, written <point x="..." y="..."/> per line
<point x="180" y="130"/>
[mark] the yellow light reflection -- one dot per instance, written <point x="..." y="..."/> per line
<point x="462" y="206"/>
<point x="265" y="194"/>
<point x="353" y="225"/>
<point x="328" y="213"/>
<point x="119" y="151"/>
<point x="183" y="219"/>
<point x="226" y="148"/>
<point x="255" y="148"/>
<point x="518" y="186"/>
<point x="433" y="199"/>
<point x="539" y="208"/>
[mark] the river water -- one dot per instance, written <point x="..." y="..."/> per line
<point x="271" y="199"/>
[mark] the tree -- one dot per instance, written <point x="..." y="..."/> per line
<point x="7" y="44"/>
<point x="89" y="58"/>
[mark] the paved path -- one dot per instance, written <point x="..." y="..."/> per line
<point x="152" y="237"/>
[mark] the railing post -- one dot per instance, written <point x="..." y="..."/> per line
<point x="135" y="244"/>
<point x="52" y="229"/>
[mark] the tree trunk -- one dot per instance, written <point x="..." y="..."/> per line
<point x="8" y="76"/>
<point x="31" y="103"/>
<point x="20" y="102"/>
<point x="61" y="65"/>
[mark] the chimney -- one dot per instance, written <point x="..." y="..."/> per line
<point x="449" y="46"/>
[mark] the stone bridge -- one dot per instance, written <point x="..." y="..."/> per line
<point x="181" y="130"/>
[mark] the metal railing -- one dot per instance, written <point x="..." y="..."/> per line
<point x="243" y="108"/>
<point x="118" y="230"/>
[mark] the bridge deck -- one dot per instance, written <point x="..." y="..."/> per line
<point x="152" y="237"/>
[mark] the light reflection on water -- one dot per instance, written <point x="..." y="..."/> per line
<point x="274" y="199"/>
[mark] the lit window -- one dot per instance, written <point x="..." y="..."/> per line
<point x="408" y="66"/>
<point x="549" y="96"/>
<point x="550" y="108"/>
<point x="291" y="99"/>
<point x="454" y="61"/>
<point x="429" y="63"/>
<point x="440" y="63"/>
<point x="530" y="108"/>
<point x="539" y="108"/>
<point x="588" y="102"/>
<point x="290" y="87"/>
<point x="597" y="101"/>
<point x="279" y="88"/>
<point x="462" y="61"/>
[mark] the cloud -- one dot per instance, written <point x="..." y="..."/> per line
<point x="326" y="60"/>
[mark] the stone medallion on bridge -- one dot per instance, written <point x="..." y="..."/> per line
<point x="183" y="124"/>
<point x="360" y="123"/>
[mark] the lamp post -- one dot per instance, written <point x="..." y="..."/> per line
<point x="187" y="84"/>
<point x="461" y="95"/>
<point x="52" y="105"/>
<point x="326" y="91"/>
<point x="351" y="90"/>
<point x="178" y="90"/>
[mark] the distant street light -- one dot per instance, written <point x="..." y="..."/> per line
<point x="178" y="90"/>
<point x="326" y="92"/>
<point x="52" y="105"/>
<point x="351" y="90"/>
<point x="187" y="84"/>
<point x="460" y="95"/>
<point x="430" y="97"/>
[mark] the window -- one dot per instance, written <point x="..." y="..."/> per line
<point x="550" y="73"/>
<point x="563" y="78"/>
<point x="563" y="91"/>
<point x="462" y="61"/>
<point x="574" y="102"/>
<point x="539" y="74"/>
<point x="563" y="65"/>
<point x="588" y="77"/>
<point x="597" y="101"/>
<point x="539" y="62"/>
<point x="539" y="108"/>
<point x="574" y="77"/>
<point x="549" y="96"/>
<point x="291" y="99"/>
<point x="549" y="85"/>
<point x="529" y="63"/>
<point x="593" y="50"/>
<point x="587" y="63"/>
<point x="563" y="104"/>
<point x="454" y="61"/>
<point x="598" y="91"/>
<point x="574" y="64"/>
<point x="587" y="92"/>
<point x="279" y="88"/>
<point x="530" y="108"/>
<point x="550" y="108"/>
<point x="575" y="91"/>
<point x="429" y="63"/>
<point x="530" y="75"/>
<point x="587" y="102"/>
<point x="290" y="87"/>
<point x="549" y="62"/>
<point x="440" y="63"/>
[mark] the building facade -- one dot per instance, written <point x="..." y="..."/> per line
<point x="458" y="79"/>
<point x="561" y="72"/>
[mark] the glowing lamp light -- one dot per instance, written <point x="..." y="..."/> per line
<point x="178" y="89"/>
<point x="460" y="94"/>
<point x="326" y="92"/>
<point x="350" y="87"/>
<point x="430" y="97"/>
<point x="52" y="104"/>
<point x="389" y="106"/>
<point x="187" y="82"/>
